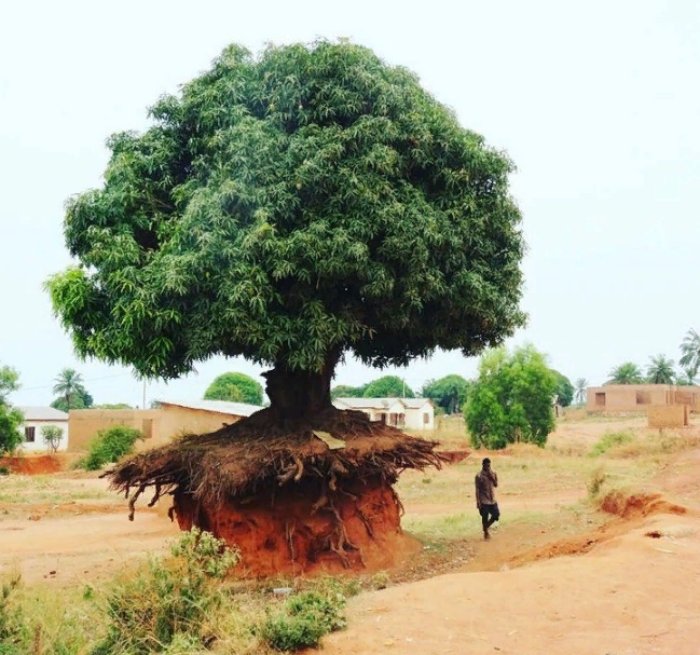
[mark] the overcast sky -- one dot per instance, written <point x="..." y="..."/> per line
<point x="597" y="103"/>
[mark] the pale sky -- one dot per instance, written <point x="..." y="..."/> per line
<point x="597" y="103"/>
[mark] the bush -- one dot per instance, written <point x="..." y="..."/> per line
<point x="110" y="445"/>
<point x="305" y="618"/>
<point x="9" y="618"/>
<point x="165" y="607"/>
<point x="610" y="440"/>
<point x="596" y="482"/>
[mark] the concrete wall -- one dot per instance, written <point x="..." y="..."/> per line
<point x="86" y="423"/>
<point x="158" y="426"/>
<point x="639" y="397"/>
<point x="669" y="416"/>
<point x="39" y="445"/>
<point x="416" y="418"/>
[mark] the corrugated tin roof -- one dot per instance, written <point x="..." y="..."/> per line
<point x="43" y="414"/>
<point x="381" y="403"/>
<point x="222" y="406"/>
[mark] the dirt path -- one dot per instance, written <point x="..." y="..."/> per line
<point x="627" y="588"/>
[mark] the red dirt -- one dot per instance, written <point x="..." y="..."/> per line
<point x="638" y="505"/>
<point x="32" y="464"/>
<point x="286" y="531"/>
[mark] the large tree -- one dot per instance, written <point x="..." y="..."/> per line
<point x="236" y="387"/>
<point x="512" y="399"/>
<point x="660" y="370"/>
<point x="449" y="392"/>
<point x="10" y="417"/>
<point x="346" y="391"/>
<point x="690" y="355"/>
<point x="626" y="373"/>
<point x="292" y="208"/>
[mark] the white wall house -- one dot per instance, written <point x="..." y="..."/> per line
<point x="36" y="418"/>
<point x="411" y="413"/>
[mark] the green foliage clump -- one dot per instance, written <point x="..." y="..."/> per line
<point x="52" y="436"/>
<point x="305" y="618"/>
<point x="165" y="607"/>
<point x="626" y="373"/>
<point x="511" y="400"/>
<point x="610" y="440"/>
<point x="388" y="386"/>
<point x="564" y="390"/>
<point x="9" y="618"/>
<point x="235" y="387"/>
<point x="346" y="391"/>
<point x="449" y="392"/>
<point x="291" y="207"/>
<point x="110" y="445"/>
<point x="72" y="394"/>
<point x="10" y="417"/>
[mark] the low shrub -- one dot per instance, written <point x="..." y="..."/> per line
<point x="596" y="482"/>
<point x="165" y="607"/>
<point x="9" y="618"/>
<point x="610" y="440"/>
<point x="109" y="446"/>
<point x="4" y="470"/>
<point x="304" y="619"/>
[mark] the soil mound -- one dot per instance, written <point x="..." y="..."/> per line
<point x="32" y="464"/>
<point x="292" y="496"/>
<point x="639" y="504"/>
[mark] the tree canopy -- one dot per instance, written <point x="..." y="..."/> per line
<point x="10" y="417"/>
<point x="512" y="399"/>
<point x="564" y="390"/>
<point x="71" y="391"/>
<point x="346" y="391"/>
<point x="660" y="370"/>
<point x="235" y="387"/>
<point x="448" y="392"/>
<point x="690" y="355"/>
<point x="388" y="386"/>
<point x="290" y="207"/>
<point x="626" y="373"/>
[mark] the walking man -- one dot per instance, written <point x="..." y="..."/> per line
<point x="485" y="482"/>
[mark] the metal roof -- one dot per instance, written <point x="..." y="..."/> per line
<point x="381" y="403"/>
<point x="43" y="414"/>
<point x="221" y="406"/>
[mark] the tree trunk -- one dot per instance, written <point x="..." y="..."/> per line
<point x="295" y="394"/>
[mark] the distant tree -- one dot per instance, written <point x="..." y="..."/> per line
<point x="235" y="387"/>
<point x="581" y="386"/>
<point x="511" y="400"/>
<point x="112" y="406"/>
<point x="564" y="390"/>
<point x="52" y="435"/>
<point x="627" y="373"/>
<point x="690" y="355"/>
<point x="448" y="392"/>
<point x="71" y="391"/>
<point x="388" y="386"/>
<point x="346" y="391"/>
<point x="10" y="417"/>
<point x="660" y="370"/>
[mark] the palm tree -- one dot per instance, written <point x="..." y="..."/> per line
<point x="627" y="373"/>
<point x="690" y="354"/>
<point x="660" y="370"/>
<point x="69" y="385"/>
<point x="580" y="394"/>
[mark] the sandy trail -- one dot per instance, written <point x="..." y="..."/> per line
<point x="633" y="592"/>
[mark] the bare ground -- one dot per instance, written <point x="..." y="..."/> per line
<point x="557" y="576"/>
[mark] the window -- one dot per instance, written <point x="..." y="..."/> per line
<point x="426" y="418"/>
<point x="600" y="400"/>
<point x="30" y="434"/>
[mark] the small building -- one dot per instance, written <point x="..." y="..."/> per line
<point x="410" y="413"/>
<point x="160" y="425"/>
<point x="36" y="418"/>
<point x="639" y="397"/>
